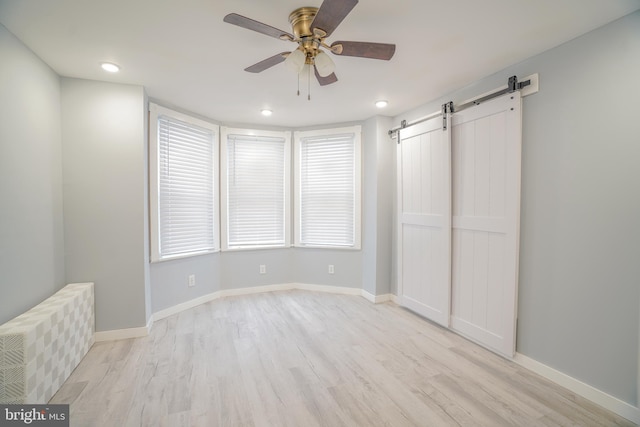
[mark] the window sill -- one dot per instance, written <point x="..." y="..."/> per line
<point x="254" y="248"/>
<point x="182" y="256"/>
<point x="334" y="248"/>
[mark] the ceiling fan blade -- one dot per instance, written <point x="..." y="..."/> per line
<point x="364" y="49"/>
<point x="250" y="24"/>
<point x="331" y="78"/>
<point x="331" y="14"/>
<point x="267" y="63"/>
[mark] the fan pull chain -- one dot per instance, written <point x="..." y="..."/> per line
<point x="298" y="84"/>
<point x="309" y="85"/>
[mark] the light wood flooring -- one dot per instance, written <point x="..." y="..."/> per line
<point x="305" y="359"/>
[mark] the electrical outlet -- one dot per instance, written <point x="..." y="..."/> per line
<point x="331" y="270"/>
<point x="192" y="280"/>
<point x="263" y="269"/>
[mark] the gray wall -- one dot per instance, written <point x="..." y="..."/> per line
<point x="579" y="296"/>
<point x="241" y="269"/>
<point x="311" y="266"/>
<point x="377" y="190"/>
<point x="169" y="280"/>
<point x="369" y="205"/>
<point x="103" y="131"/>
<point x="31" y="227"/>
<point x="385" y="165"/>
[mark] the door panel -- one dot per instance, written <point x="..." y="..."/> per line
<point x="486" y="145"/>
<point x="424" y="188"/>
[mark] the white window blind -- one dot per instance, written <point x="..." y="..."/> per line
<point x="256" y="190"/>
<point x="329" y="188"/>
<point x="186" y="165"/>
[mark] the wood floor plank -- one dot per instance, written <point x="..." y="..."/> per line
<point x="299" y="358"/>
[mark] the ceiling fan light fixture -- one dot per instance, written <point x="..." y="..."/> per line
<point x="296" y="60"/>
<point x="381" y="104"/>
<point x="324" y="64"/>
<point x="310" y="26"/>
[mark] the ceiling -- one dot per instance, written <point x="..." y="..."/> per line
<point x="186" y="56"/>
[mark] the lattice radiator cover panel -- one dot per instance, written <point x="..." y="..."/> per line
<point x="40" y="348"/>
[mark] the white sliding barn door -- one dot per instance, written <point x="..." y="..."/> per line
<point x="424" y="235"/>
<point x="486" y="145"/>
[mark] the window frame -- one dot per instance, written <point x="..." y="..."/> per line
<point x="356" y="130"/>
<point x="155" y="112"/>
<point x="224" y="211"/>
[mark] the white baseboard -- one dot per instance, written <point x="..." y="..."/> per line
<point x="124" y="334"/>
<point x="591" y="393"/>
<point x="328" y="289"/>
<point x="170" y="311"/>
<point x="376" y="299"/>
<point x="121" y="334"/>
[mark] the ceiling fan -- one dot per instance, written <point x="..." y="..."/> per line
<point x="311" y="26"/>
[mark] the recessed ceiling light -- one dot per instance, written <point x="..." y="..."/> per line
<point x="266" y="112"/>
<point x="110" y="67"/>
<point x="381" y="104"/>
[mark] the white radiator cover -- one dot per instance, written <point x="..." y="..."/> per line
<point x="40" y="348"/>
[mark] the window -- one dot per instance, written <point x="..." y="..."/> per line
<point x="328" y="183"/>
<point x="255" y="188"/>
<point x="183" y="168"/>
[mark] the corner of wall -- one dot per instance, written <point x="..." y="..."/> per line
<point x="104" y="212"/>
<point x="31" y="218"/>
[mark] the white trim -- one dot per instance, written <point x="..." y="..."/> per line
<point x="383" y="298"/>
<point x="368" y="296"/>
<point x="327" y="288"/>
<point x="376" y="299"/>
<point x="591" y="393"/>
<point x="396" y="299"/>
<point x="255" y="290"/>
<point x="122" y="334"/>
<point x="534" y="85"/>
<point x="178" y="308"/>
<point x="150" y="323"/>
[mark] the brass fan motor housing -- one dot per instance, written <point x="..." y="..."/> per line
<point x="301" y="20"/>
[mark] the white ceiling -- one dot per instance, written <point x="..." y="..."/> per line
<point x="186" y="56"/>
